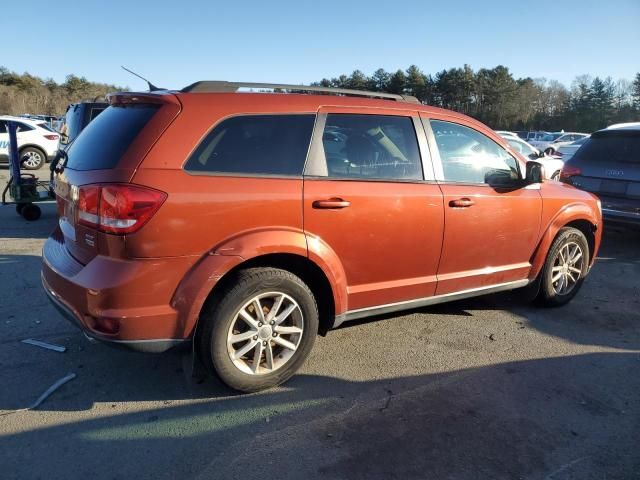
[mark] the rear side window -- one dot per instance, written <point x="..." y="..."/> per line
<point x="255" y="144"/>
<point x="371" y="147"/>
<point x="617" y="147"/>
<point x="101" y="145"/>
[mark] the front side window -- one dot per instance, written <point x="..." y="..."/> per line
<point x="468" y="156"/>
<point x="255" y="144"/>
<point x="371" y="147"/>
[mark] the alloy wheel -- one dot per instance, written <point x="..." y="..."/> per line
<point x="567" y="268"/>
<point x="265" y="333"/>
<point x="31" y="159"/>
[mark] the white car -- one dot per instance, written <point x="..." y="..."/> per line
<point x="566" y="151"/>
<point x="552" y="166"/>
<point x="37" y="142"/>
<point x="505" y="133"/>
<point x="550" y="142"/>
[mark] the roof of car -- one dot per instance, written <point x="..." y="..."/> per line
<point x="29" y="121"/>
<point x="624" y="126"/>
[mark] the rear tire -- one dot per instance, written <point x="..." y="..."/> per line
<point x="248" y="344"/>
<point x="31" y="212"/>
<point x="549" y="151"/>
<point x="32" y="158"/>
<point x="19" y="207"/>
<point x="565" y="268"/>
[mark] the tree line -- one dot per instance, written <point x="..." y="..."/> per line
<point x="496" y="98"/>
<point x="26" y="93"/>
<point x="493" y="96"/>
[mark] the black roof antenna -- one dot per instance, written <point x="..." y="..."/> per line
<point x="152" y="87"/>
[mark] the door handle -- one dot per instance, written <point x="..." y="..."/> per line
<point x="332" y="203"/>
<point x="462" y="203"/>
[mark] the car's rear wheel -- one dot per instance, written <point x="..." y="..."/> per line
<point x="549" y="151"/>
<point x="556" y="176"/>
<point x="260" y="331"/>
<point x="565" y="268"/>
<point x="32" y="158"/>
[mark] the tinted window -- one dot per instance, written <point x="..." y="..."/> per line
<point x="610" y="148"/>
<point x="105" y="140"/>
<point x="371" y="147"/>
<point x="468" y="156"/>
<point x="255" y="144"/>
<point x="3" y="127"/>
<point x="46" y="127"/>
<point x="23" y="127"/>
<point x="95" y="112"/>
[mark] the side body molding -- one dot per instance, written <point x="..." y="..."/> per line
<point x="194" y="289"/>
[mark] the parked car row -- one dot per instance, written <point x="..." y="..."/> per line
<point x="39" y="141"/>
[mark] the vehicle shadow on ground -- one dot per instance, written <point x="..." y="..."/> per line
<point x="603" y="313"/>
<point x="534" y="418"/>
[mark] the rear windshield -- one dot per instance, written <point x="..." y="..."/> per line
<point x="613" y="148"/>
<point x="105" y="139"/>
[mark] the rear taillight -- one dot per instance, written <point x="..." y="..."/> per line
<point x="51" y="137"/>
<point x="117" y="208"/>
<point x="569" y="171"/>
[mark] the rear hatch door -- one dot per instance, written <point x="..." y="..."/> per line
<point x="609" y="164"/>
<point x="108" y="150"/>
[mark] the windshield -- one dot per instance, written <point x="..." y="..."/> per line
<point x="522" y="147"/>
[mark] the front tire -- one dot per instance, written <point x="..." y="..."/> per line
<point x="549" y="151"/>
<point x="261" y="330"/>
<point x="565" y="268"/>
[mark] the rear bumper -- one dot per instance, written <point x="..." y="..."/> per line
<point x="126" y="303"/>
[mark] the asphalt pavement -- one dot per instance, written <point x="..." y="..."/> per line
<point x="487" y="388"/>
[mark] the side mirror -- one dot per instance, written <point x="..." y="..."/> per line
<point x="535" y="172"/>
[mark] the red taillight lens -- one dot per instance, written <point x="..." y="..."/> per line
<point x="569" y="171"/>
<point x="117" y="208"/>
<point x="51" y="137"/>
<point x="88" y="200"/>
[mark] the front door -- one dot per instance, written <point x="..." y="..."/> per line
<point x="491" y="223"/>
<point x="366" y="199"/>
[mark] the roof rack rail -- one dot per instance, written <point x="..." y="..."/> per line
<point x="223" y="86"/>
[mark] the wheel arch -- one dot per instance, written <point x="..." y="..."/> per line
<point x="316" y="264"/>
<point x="578" y="216"/>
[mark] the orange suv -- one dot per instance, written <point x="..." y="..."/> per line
<point x="250" y="222"/>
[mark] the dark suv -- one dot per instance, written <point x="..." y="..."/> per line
<point x="608" y="164"/>
<point x="250" y="222"/>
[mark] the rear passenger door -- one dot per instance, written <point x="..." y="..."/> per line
<point x="491" y="220"/>
<point x="369" y="200"/>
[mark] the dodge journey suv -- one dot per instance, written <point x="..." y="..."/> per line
<point x="248" y="223"/>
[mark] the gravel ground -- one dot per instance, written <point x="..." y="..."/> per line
<point x="483" y="388"/>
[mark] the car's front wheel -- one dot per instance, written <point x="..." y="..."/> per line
<point x="549" y="151"/>
<point x="565" y="268"/>
<point x="260" y="330"/>
<point x="32" y="158"/>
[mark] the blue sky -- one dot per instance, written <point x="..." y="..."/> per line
<point x="176" y="43"/>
